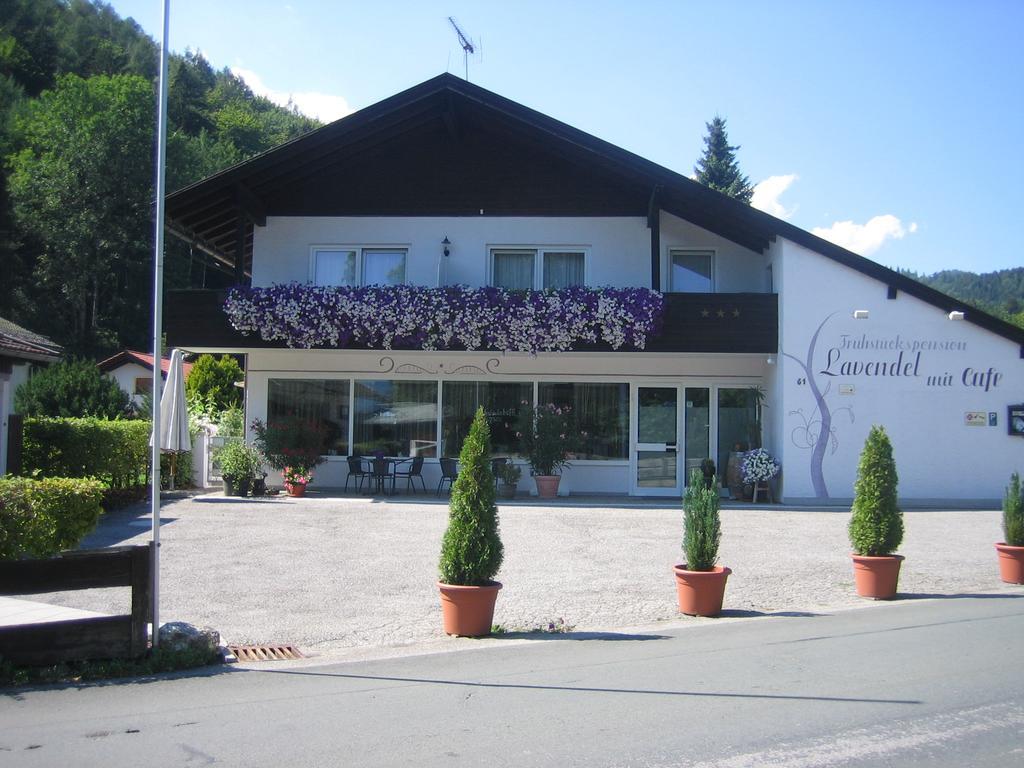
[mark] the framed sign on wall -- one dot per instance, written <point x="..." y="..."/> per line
<point x="1015" y="420"/>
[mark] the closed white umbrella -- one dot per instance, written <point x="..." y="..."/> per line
<point x="174" y="436"/>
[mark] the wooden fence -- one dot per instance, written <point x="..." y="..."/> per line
<point x="100" y="637"/>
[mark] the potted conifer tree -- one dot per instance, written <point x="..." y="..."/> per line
<point x="471" y="550"/>
<point x="700" y="584"/>
<point x="876" y="525"/>
<point x="1011" y="550"/>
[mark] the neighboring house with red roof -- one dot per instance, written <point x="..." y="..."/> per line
<point x="20" y="349"/>
<point x="133" y="372"/>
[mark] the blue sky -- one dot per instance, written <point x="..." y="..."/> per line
<point x="894" y="128"/>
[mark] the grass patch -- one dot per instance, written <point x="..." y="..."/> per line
<point x="155" y="662"/>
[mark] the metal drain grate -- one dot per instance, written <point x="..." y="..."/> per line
<point x="265" y="652"/>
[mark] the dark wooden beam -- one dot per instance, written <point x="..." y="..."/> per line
<point x="240" y="249"/>
<point x="654" y="224"/>
<point x="892" y="292"/>
<point x="251" y="205"/>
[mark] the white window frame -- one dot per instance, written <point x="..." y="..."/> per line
<point x="360" y="252"/>
<point x="712" y="252"/>
<point x="539" y="252"/>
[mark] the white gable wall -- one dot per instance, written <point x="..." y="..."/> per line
<point x="737" y="269"/>
<point x="948" y="369"/>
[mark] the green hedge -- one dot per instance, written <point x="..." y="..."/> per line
<point x="39" y="518"/>
<point x="114" y="452"/>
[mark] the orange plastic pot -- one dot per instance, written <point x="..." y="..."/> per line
<point x="1011" y="563"/>
<point x="876" y="577"/>
<point x="295" y="489"/>
<point x="468" y="611"/>
<point x="547" y="485"/>
<point x="701" y="593"/>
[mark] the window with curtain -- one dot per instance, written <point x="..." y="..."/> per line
<point x="334" y="267"/>
<point x="501" y="402"/>
<point x="397" y="418"/>
<point x="563" y="269"/>
<point x="383" y="267"/>
<point x="513" y="270"/>
<point x="600" y="410"/>
<point x="692" y="271"/>
<point x="321" y="400"/>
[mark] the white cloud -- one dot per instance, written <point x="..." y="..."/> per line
<point x="767" y="193"/>
<point x="866" y="238"/>
<point x="322" y="106"/>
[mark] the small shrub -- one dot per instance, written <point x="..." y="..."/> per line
<point x="212" y="380"/>
<point x="876" y="526"/>
<point x="231" y="423"/>
<point x="39" y="518"/>
<point x="72" y="389"/>
<point x="471" y="551"/>
<point x="239" y="461"/>
<point x="702" y="525"/>
<point x="1013" y="513"/>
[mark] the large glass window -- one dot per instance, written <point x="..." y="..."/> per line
<point x="358" y="266"/>
<point x="501" y="402"/>
<point x="600" y="410"/>
<point x="398" y="418"/>
<point x="692" y="271"/>
<point x="321" y="400"/>
<point x="738" y="428"/>
<point x="383" y="267"/>
<point x="523" y="269"/>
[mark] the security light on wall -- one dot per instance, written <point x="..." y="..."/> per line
<point x="956" y="315"/>
<point x="860" y="314"/>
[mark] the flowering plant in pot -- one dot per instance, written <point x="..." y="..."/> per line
<point x="296" y="479"/>
<point x="239" y="465"/>
<point x="292" y="441"/>
<point x="547" y="435"/>
<point x="700" y="584"/>
<point x="758" y="468"/>
<point x="1011" y="549"/>
<point x="471" y="550"/>
<point x="508" y="475"/>
<point x="876" y="525"/>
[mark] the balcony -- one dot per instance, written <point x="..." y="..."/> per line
<point x="693" y="322"/>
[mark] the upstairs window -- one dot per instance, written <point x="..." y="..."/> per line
<point x="692" y="271"/>
<point x="523" y="269"/>
<point x="358" y="266"/>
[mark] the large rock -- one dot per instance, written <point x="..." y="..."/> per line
<point x="181" y="636"/>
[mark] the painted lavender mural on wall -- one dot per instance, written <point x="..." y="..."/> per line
<point x="817" y="431"/>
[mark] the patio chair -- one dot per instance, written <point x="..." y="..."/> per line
<point x="415" y="470"/>
<point x="356" y="470"/>
<point x="381" y="473"/>
<point x="449" y="474"/>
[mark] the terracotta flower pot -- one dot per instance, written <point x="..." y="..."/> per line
<point x="295" y="489"/>
<point x="876" y="577"/>
<point x="701" y="593"/>
<point x="468" y="611"/>
<point x="1011" y="563"/>
<point x="547" y="485"/>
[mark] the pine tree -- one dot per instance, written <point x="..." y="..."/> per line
<point x="471" y="551"/>
<point x="718" y="168"/>
<point x="876" y="527"/>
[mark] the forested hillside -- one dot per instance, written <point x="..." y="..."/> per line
<point x="1000" y="293"/>
<point x="78" y="146"/>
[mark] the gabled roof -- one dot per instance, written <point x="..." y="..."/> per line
<point x="23" y="344"/>
<point x="397" y="139"/>
<point x="128" y="356"/>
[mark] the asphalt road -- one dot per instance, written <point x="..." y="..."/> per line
<point x="913" y="683"/>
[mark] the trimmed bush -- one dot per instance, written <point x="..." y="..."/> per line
<point x="39" y="518"/>
<point x="114" y="452"/>
<point x="1013" y="514"/>
<point x="72" y="389"/>
<point x="471" y="551"/>
<point x="876" y="526"/>
<point x="702" y="524"/>
<point x="213" y="381"/>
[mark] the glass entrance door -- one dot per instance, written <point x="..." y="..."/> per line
<point x="697" y="418"/>
<point x="657" y="470"/>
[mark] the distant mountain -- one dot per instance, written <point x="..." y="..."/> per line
<point x="1000" y="293"/>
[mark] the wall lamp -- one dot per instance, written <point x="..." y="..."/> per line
<point x="446" y="246"/>
<point x="956" y="315"/>
<point x="860" y="314"/>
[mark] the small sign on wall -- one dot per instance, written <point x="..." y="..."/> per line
<point x="976" y="418"/>
<point x="1015" y="420"/>
<point x="846" y="389"/>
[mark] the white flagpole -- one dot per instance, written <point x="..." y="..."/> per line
<point x="158" y="298"/>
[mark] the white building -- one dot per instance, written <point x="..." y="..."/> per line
<point x="20" y="350"/>
<point x="133" y="372"/>
<point x="449" y="184"/>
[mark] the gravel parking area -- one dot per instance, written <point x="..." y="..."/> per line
<point x="342" y="576"/>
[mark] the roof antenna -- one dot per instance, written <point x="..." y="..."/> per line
<point x="466" y="43"/>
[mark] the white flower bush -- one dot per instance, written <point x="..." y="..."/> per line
<point x="759" y="466"/>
